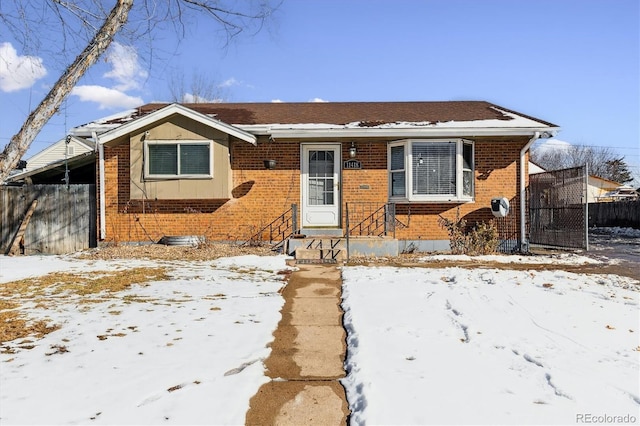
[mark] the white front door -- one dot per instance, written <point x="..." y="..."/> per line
<point x="320" y="185"/>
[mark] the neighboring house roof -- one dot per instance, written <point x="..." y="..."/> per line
<point x="623" y="192"/>
<point x="604" y="182"/>
<point x="352" y="118"/>
<point x="58" y="151"/>
<point x="56" y="167"/>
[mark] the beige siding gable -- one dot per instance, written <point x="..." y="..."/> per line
<point x="180" y="129"/>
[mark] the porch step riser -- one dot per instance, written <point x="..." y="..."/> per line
<point x="319" y="249"/>
<point x="334" y="255"/>
<point x="325" y="244"/>
<point x="359" y="246"/>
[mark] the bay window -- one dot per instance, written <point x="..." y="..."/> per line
<point x="397" y="175"/>
<point x="178" y="159"/>
<point x="431" y="170"/>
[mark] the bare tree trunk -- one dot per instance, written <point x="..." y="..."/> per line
<point x="20" y="143"/>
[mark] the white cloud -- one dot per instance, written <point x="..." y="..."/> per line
<point x="317" y="100"/>
<point x="552" y="145"/>
<point x="126" y="69"/>
<point x="18" y="72"/>
<point x="127" y="73"/>
<point x="276" y="101"/>
<point x="105" y="97"/>
<point x="229" y="82"/>
<point x="191" y="98"/>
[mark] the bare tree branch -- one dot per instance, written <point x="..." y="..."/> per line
<point x="200" y="89"/>
<point x="33" y="23"/>
<point x="601" y="162"/>
<point x="52" y="101"/>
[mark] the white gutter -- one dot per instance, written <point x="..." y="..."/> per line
<point x="391" y="132"/>
<point x="102" y="197"/>
<point x="88" y="131"/>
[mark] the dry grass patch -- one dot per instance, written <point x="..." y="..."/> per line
<point x="82" y="284"/>
<point x="39" y="290"/>
<point x="13" y="326"/>
<point x="206" y="251"/>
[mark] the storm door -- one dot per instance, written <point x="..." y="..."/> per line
<point x="320" y="185"/>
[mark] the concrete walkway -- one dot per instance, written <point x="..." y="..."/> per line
<point x="307" y="355"/>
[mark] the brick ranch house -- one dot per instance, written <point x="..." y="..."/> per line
<point x="202" y="169"/>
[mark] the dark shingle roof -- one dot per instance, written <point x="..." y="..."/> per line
<point x="367" y="113"/>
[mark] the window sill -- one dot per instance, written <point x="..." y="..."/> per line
<point x="404" y="200"/>
<point x="178" y="177"/>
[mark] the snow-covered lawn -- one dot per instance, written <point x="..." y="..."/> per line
<point x="184" y="351"/>
<point x="488" y="346"/>
<point x="425" y="346"/>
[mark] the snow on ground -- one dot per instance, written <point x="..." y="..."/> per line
<point x="425" y="345"/>
<point x="616" y="231"/>
<point x="487" y="346"/>
<point x="555" y="259"/>
<point x="184" y="351"/>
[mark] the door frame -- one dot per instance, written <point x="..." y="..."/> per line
<point x="304" y="167"/>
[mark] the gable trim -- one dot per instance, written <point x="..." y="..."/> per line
<point x="178" y="109"/>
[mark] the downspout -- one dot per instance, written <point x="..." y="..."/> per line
<point x="523" y="191"/>
<point x="102" y="197"/>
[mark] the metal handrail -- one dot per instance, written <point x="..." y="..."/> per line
<point x="282" y="227"/>
<point x="375" y="219"/>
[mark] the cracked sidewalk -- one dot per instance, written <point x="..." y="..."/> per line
<point x="307" y="355"/>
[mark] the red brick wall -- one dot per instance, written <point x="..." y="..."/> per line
<point x="260" y="195"/>
<point x="497" y="174"/>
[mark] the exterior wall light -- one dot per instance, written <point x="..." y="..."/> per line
<point x="352" y="150"/>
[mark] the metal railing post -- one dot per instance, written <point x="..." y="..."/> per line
<point x="392" y="208"/>
<point x="347" y="226"/>
<point x="386" y="219"/>
<point x="294" y="218"/>
<point x="585" y="192"/>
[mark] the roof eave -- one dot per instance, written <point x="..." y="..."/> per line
<point x="403" y="132"/>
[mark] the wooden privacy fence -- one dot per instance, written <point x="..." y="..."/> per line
<point x="63" y="220"/>
<point x="619" y="213"/>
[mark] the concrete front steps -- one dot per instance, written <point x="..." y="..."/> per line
<point x="333" y="249"/>
<point x="320" y="250"/>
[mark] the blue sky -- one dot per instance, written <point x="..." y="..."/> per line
<point x="575" y="63"/>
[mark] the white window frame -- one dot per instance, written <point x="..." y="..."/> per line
<point x="458" y="197"/>
<point x="178" y="143"/>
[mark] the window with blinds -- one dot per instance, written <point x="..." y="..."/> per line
<point x="434" y="168"/>
<point x="431" y="170"/>
<point x="396" y="172"/>
<point x="184" y="159"/>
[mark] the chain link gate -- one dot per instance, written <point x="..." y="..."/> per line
<point x="558" y="208"/>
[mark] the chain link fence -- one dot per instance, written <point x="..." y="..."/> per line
<point x="557" y="208"/>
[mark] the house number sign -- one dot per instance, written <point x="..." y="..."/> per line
<point x="352" y="164"/>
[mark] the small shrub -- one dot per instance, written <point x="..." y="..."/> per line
<point x="455" y="229"/>
<point x="481" y="239"/>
